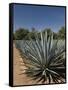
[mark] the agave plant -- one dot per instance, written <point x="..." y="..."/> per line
<point x="45" y="59"/>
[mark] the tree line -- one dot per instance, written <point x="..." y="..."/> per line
<point x="26" y="34"/>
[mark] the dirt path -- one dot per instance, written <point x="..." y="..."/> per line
<point x="18" y="66"/>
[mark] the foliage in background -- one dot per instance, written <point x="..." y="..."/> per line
<point x="21" y="34"/>
<point x="26" y="34"/>
<point x="61" y="33"/>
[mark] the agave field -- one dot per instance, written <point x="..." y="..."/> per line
<point x="45" y="58"/>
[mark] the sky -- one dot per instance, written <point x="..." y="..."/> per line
<point x="39" y="17"/>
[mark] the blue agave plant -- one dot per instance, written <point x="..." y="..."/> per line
<point x="45" y="59"/>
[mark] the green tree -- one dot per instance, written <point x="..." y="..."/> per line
<point x="32" y="33"/>
<point x="61" y="33"/>
<point x="55" y="36"/>
<point x="21" y="34"/>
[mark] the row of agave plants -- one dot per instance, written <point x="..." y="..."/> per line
<point x="45" y="58"/>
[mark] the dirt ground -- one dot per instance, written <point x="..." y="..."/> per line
<point x="18" y="65"/>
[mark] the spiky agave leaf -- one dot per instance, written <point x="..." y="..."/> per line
<point x="46" y="59"/>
